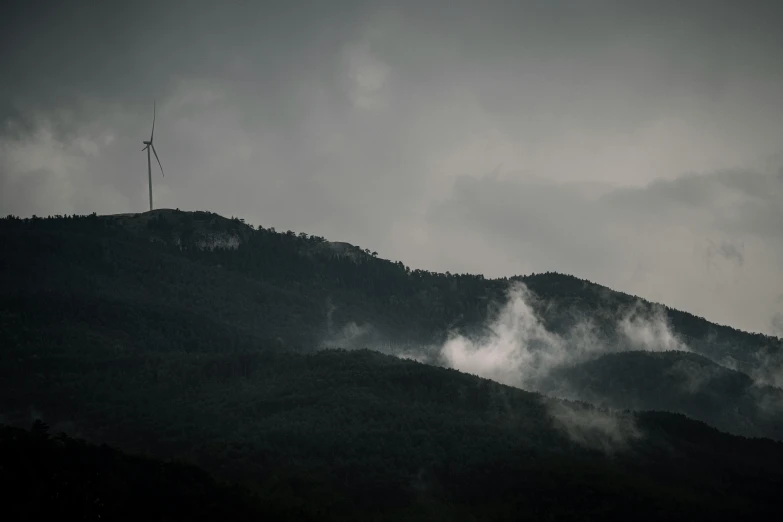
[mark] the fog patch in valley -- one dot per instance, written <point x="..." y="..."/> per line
<point x="769" y="401"/>
<point x="768" y="368"/>
<point x="602" y="430"/>
<point x="351" y="336"/>
<point x="692" y="376"/>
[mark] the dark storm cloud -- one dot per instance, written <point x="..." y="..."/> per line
<point x="377" y="123"/>
<point x="73" y="54"/>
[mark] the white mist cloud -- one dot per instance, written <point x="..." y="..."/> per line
<point x="768" y="368"/>
<point x="350" y="336"/>
<point x="519" y="350"/>
<point x="649" y="330"/>
<point x="601" y="430"/>
<point x="413" y="355"/>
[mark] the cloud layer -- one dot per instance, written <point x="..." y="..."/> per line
<point x="635" y="144"/>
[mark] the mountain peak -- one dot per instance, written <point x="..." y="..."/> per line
<point x="198" y="229"/>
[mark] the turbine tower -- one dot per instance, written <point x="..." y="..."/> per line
<point x="147" y="146"/>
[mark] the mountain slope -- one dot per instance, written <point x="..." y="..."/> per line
<point x="685" y="383"/>
<point x="401" y="304"/>
<point x="572" y="300"/>
<point x="304" y="293"/>
<point x="206" y="345"/>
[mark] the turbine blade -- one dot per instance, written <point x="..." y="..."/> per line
<point x="157" y="158"/>
<point x="152" y="134"/>
<point x="145" y="148"/>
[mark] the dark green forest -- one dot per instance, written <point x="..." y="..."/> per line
<point x="188" y="336"/>
<point x="680" y="382"/>
<point x="45" y="476"/>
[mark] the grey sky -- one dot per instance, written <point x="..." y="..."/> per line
<point x="638" y="144"/>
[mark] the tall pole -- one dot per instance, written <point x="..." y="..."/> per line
<point x="149" y="173"/>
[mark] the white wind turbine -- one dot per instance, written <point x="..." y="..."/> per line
<point x="147" y="146"/>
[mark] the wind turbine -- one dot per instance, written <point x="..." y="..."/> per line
<point x="147" y="146"/>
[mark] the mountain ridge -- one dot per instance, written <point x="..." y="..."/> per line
<point x="211" y="235"/>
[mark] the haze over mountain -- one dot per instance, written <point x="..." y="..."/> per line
<point x="636" y="144"/>
<point x="194" y="336"/>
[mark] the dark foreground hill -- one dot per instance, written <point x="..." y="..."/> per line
<point x="192" y="336"/>
<point x="45" y="477"/>
<point x="355" y="435"/>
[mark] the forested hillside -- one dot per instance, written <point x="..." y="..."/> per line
<point x="310" y="274"/>
<point x="46" y="476"/>
<point x="188" y="335"/>
<point x="674" y="381"/>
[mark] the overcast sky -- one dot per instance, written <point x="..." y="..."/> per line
<point x="638" y="144"/>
